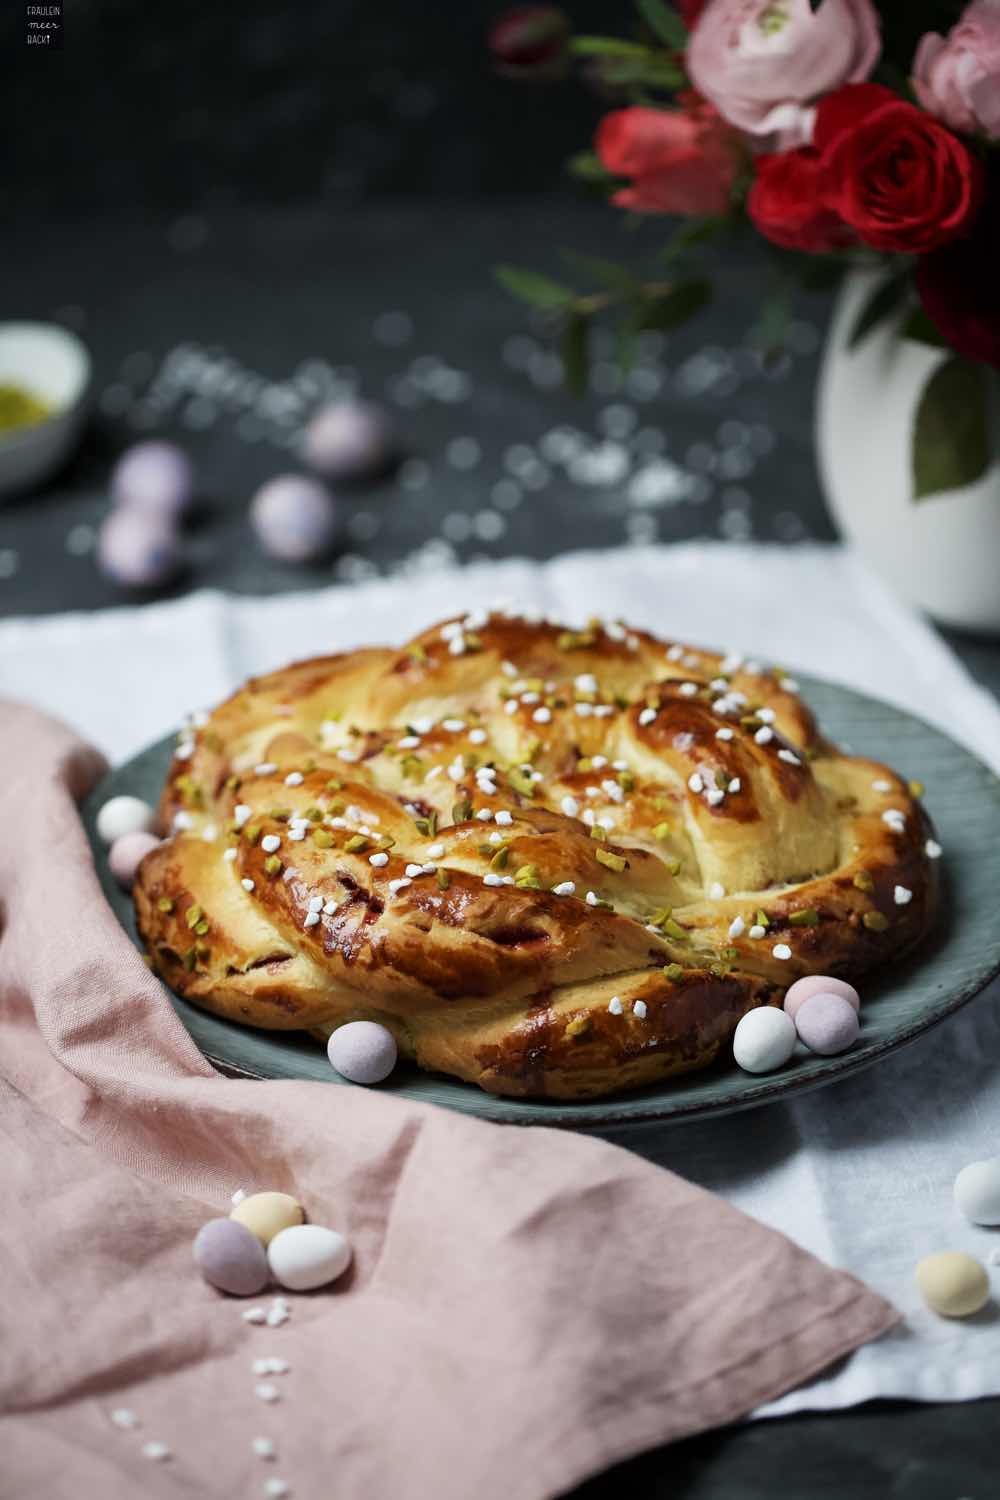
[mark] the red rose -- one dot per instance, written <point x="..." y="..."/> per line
<point x="960" y="288"/>
<point x="680" y="161"/>
<point x="690" y="11"/>
<point x="893" y="173"/>
<point x="787" y="206"/>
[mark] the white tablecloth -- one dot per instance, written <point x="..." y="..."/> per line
<point x="859" y="1173"/>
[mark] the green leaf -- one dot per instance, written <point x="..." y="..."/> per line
<point x="951" y="438"/>
<point x="606" y="273"/>
<point x="588" y="166"/>
<point x="880" y="304"/>
<point x="657" y="72"/>
<point x="608" y="46"/>
<point x="820" y="273"/>
<point x="921" y="330"/>
<point x="676" y="306"/>
<point x="771" y="327"/>
<point x="694" y="232"/>
<point x="575" y="352"/>
<point x="664" y="22"/>
<point x="533" y="287"/>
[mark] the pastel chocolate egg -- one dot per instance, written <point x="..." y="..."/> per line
<point x="308" y="1256"/>
<point x="127" y="853"/>
<point x="977" y="1191"/>
<point x="819" y="984"/>
<point x="294" y="517"/>
<point x="267" y="1214"/>
<point x="764" y="1040"/>
<point x="362" y="1051"/>
<point x="348" y="440"/>
<point x="154" y="478"/>
<point x="231" y="1258"/>
<point x="121" y="815"/>
<point x="827" y="1023"/>
<point x="952" y="1283"/>
<point x="136" y="550"/>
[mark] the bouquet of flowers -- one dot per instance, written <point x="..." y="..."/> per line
<point x="839" y="130"/>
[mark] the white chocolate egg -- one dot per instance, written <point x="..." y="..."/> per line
<point x="121" y="815"/>
<point x="764" y="1040"/>
<point x="267" y="1214"/>
<point x="307" y="1256"/>
<point x="977" y="1191"/>
<point x="952" y="1283"/>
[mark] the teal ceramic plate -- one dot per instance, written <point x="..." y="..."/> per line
<point x="958" y="959"/>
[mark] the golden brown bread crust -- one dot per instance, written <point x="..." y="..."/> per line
<point x="703" y="824"/>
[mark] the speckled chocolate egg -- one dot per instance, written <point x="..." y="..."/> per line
<point x="126" y="855"/>
<point x="154" y="478"/>
<point x="294" y="517"/>
<point x="137" y="550"/>
<point x="348" y="440"/>
<point x="764" y="1040"/>
<point x="952" y="1283"/>
<point x="827" y="1023"/>
<point x="121" y="815"/>
<point x="231" y="1258"/>
<point x="819" y="984"/>
<point x="308" y="1256"/>
<point x="267" y="1214"/>
<point x="362" y="1051"/>
<point x="977" y="1191"/>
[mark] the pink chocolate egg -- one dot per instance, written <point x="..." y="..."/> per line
<point x="295" y="518"/>
<point x="126" y="855"/>
<point x="231" y="1258"/>
<point x="349" y="440"/>
<point x="819" y="984"/>
<point x="827" y="1024"/>
<point x="155" y="479"/>
<point x="137" y="550"/>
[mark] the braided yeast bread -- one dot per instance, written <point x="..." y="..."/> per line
<point x="553" y="863"/>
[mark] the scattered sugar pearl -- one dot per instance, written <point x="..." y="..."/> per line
<point x="724" y="734"/>
<point x="263" y="1447"/>
<point x="276" y="1489"/>
<point x="156" y="1452"/>
<point x="267" y="1391"/>
<point x="615" y="1005"/>
<point x="757" y="931"/>
<point x="311" y="919"/>
<point x="294" y="518"/>
<point x="648" y="716"/>
<point x="592" y="898"/>
<point x="238" y="1196"/>
<point x="570" y="806"/>
<point x="734" y="786"/>
<point x="977" y="1191"/>
<point x="789" y="757"/>
<point x="436" y="851"/>
<point x="379" y="860"/>
<point x="881" y="786"/>
<point x="781" y="950"/>
<point x="953" y="1284"/>
<point x="126" y="855"/>
<point x="270" y="842"/>
<point x="294" y="778"/>
<point x="827" y="1023"/>
<point x="819" y="984"/>
<point x="247" y="883"/>
<point x="504" y="818"/>
<point x="639" y="1010"/>
<point x="122" y="815"/>
<point x="933" y="849"/>
<point x="688" y="689"/>
<point x="695" y="783"/>
<point x="716" y="891"/>
<point x="362" y="1051"/>
<point x="254" y="1315"/>
<point x="564" y="888"/>
<point x="737" y="927"/>
<point x="902" y="896"/>
<point x="276" y="1315"/>
<point x="124" y="1417"/>
<point x="764" y="736"/>
<point x="477" y="736"/>
<point x="265" y="768"/>
<point x="764" y="1040"/>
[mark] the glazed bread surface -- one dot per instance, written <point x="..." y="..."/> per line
<point x="552" y="862"/>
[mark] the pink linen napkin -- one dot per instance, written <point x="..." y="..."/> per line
<point x="525" y="1306"/>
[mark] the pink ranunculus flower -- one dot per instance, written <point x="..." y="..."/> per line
<point x="678" y="161"/>
<point x="763" y="63"/>
<point x="957" y="77"/>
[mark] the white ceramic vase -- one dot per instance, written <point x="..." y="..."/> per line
<point x="942" y="553"/>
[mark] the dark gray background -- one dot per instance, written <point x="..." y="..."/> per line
<point x="259" y="184"/>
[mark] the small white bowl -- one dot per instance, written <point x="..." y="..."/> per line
<point x="52" y="364"/>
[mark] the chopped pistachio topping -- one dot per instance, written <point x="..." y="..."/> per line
<point x="612" y="861"/>
<point x="333" y="785"/>
<point x="412" y="767"/>
<point x="427" y="826"/>
<point x="323" y="838"/>
<point x="916" y="788"/>
<point x="201" y="928"/>
<point x="675" y="930"/>
<point x="673" y="972"/>
<point x="579" y="1026"/>
<point x="251" y="832"/>
<point x="808" y="917"/>
<point x="661" y="832"/>
<point x="626" y="781"/>
<point x="443" y="879"/>
<point x="597" y="832"/>
<point x="500" y="858"/>
<point x="193" y="915"/>
<point x="875" y="921"/>
<point x="314" y="814"/>
<point x="165" y="904"/>
<point x="357" y="843"/>
<point x="762" y="919"/>
<point x="272" y="864"/>
<point x="462" y="811"/>
<point x="189" y="959"/>
<point x="521" y="781"/>
<point x="863" y="881"/>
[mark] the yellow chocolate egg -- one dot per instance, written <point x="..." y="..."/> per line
<point x="952" y="1283"/>
<point x="267" y="1214"/>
